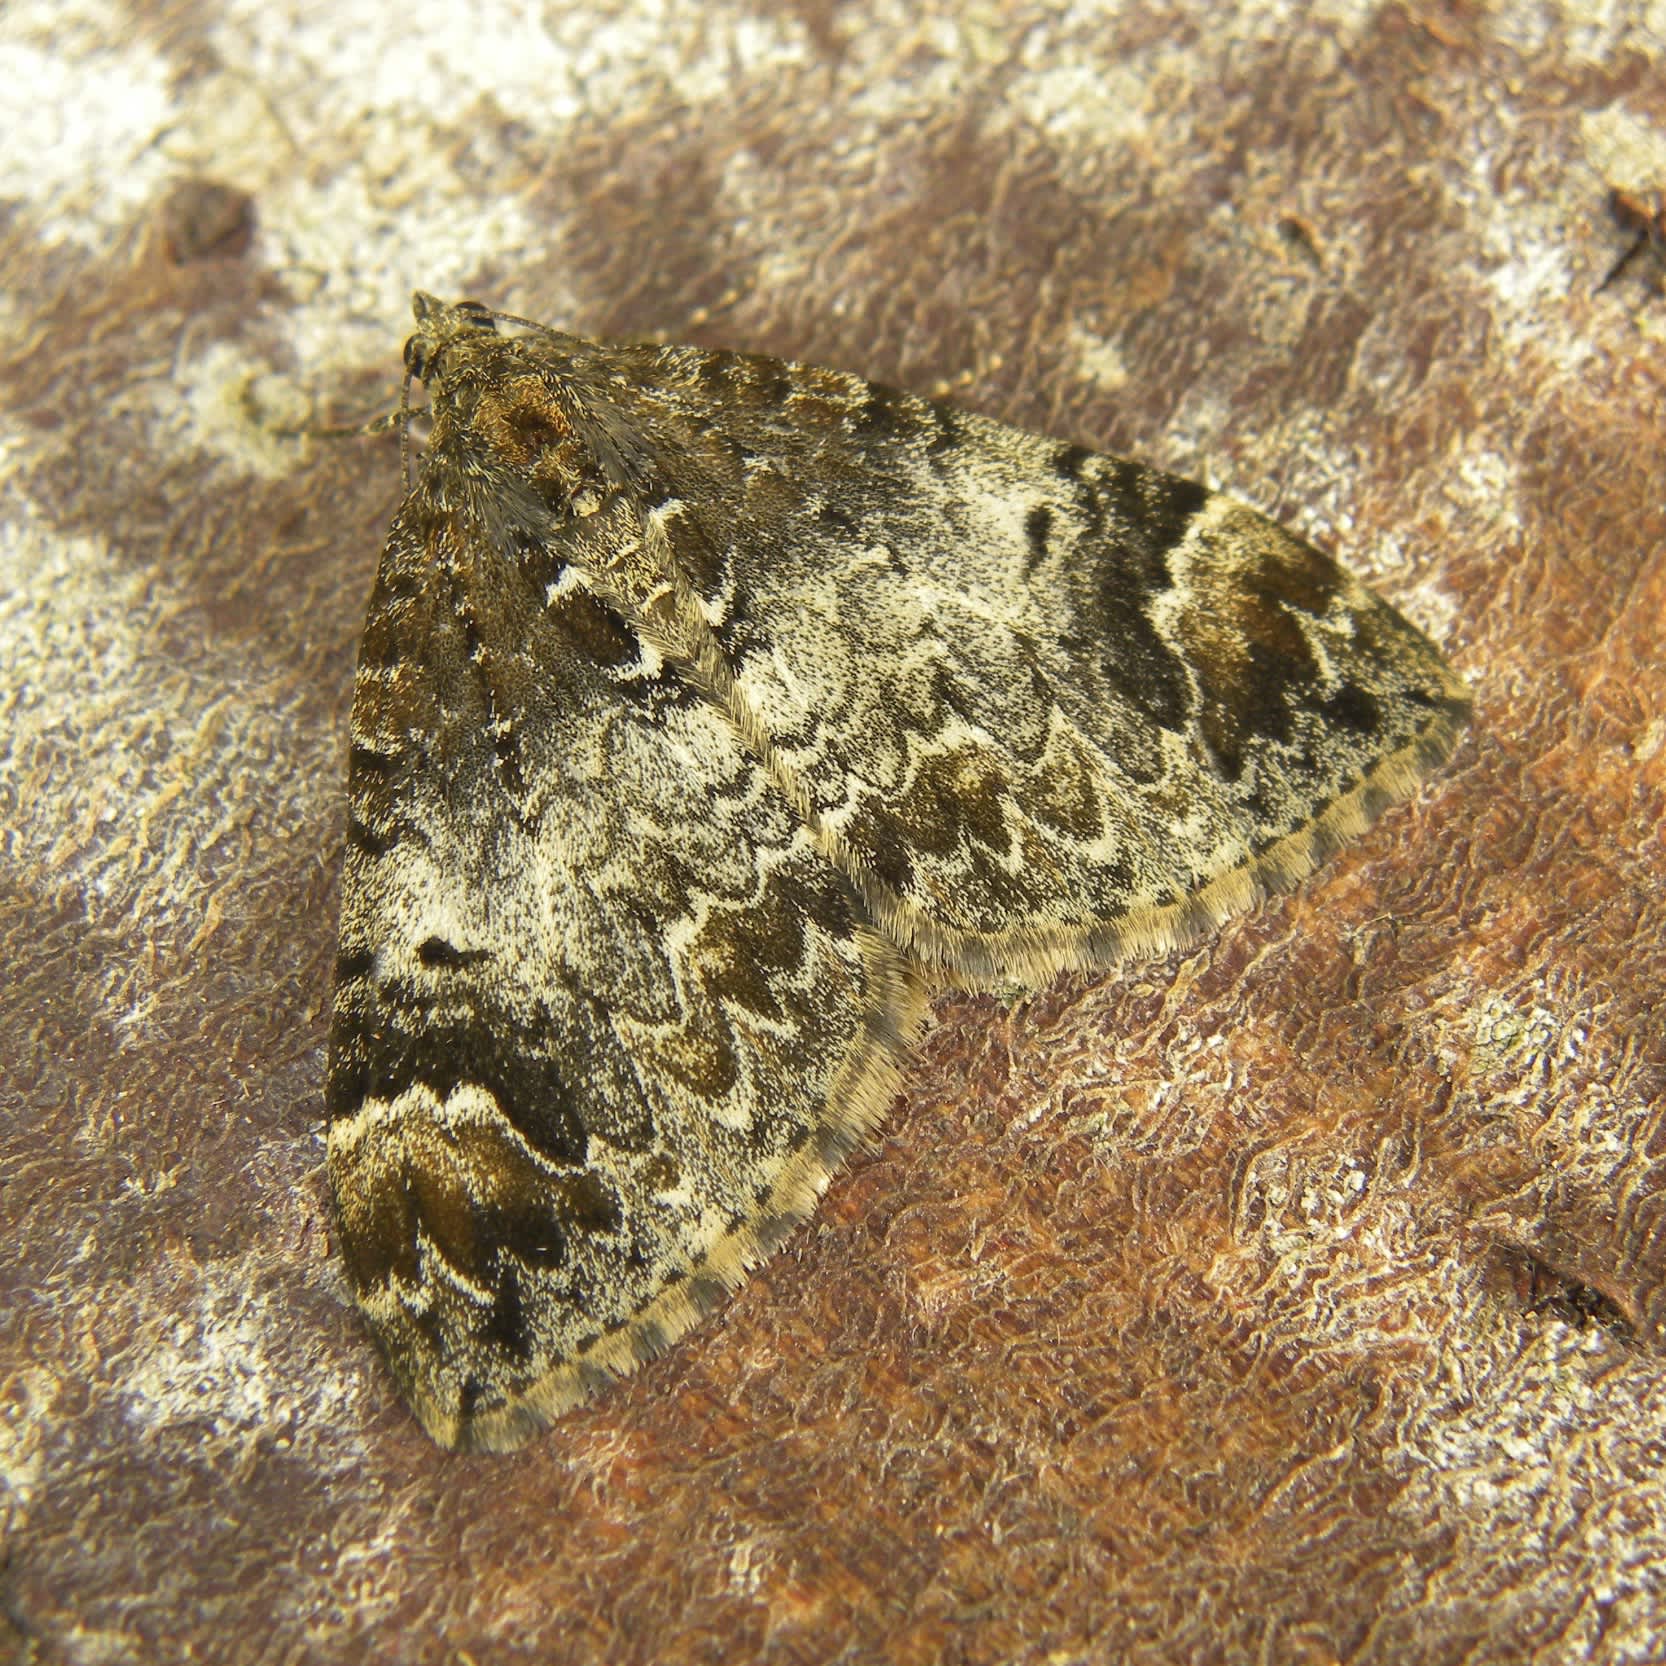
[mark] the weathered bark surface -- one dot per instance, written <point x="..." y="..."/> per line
<point x="1298" y="1299"/>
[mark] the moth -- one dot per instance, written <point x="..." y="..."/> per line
<point x="710" y="711"/>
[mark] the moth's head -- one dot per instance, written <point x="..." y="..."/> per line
<point x="439" y="323"/>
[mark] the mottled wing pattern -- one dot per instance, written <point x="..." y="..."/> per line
<point x="1091" y="707"/>
<point x="703" y="700"/>
<point x="605" y="1018"/>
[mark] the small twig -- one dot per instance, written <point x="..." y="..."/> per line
<point x="1643" y="216"/>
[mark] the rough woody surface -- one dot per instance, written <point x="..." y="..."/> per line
<point x="1299" y="1294"/>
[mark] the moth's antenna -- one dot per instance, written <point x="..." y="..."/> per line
<point x="524" y="323"/>
<point x="401" y="418"/>
<point x="349" y="430"/>
<point x="404" y="420"/>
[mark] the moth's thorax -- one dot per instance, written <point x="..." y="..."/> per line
<point x="516" y="448"/>
<point x="508" y="421"/>
<point x="516" y="422"/>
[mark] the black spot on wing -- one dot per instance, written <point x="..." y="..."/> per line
<point x="770" y="382"/>
<point x="1038" y="526"/>
<point x="385" y="1045"/>
<point x="1167" y="506"/>
<point x="505" y="1322"/>
<point x="1145" y="511"/>
<point x="882" y="414"/>
<point x="948" y="432"/>
<point x="506" y="749"/>
<point x="1353" y="708"/>
<point x="436" y="952"/>
<point x="1136" y="660"/>
<point x="1069" y="460"/>
<point x="367" y="839"/>
<point x="366" y="762"/>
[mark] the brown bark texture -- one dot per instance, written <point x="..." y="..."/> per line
<point x="1298" y="1298"/>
